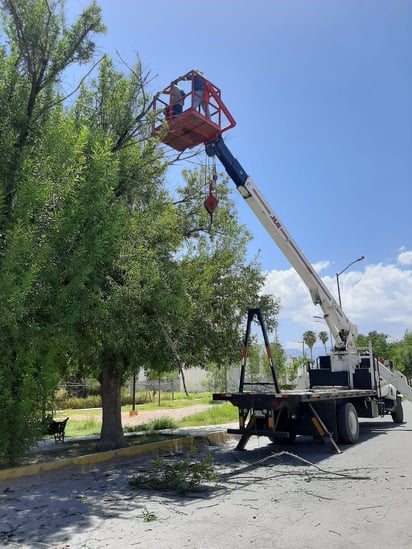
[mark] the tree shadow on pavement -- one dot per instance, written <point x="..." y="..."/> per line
<point x="52" y="508"/>
<point x="48" y="509"/>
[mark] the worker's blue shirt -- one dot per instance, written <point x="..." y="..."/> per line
<point x="197" y="83"/>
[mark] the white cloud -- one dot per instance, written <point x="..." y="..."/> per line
<point x="378" y="299"/>
<point x="405" y="258"/>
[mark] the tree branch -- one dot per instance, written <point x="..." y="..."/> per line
<point x="175" y="353"/>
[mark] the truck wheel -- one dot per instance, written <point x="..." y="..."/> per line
<point x="397" y="414"/>
<point x="348" y="423"/>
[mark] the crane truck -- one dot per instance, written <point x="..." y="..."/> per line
<point x="343" y="385"/>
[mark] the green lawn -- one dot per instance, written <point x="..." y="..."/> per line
<point x="219" y="414"/>
<point x="178" y="402"/>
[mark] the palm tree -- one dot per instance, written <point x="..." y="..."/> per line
<point x="323" y="336"/>
<point x="310" y="338"/>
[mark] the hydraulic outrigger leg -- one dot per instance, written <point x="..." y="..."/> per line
<point x="322" y="430"/>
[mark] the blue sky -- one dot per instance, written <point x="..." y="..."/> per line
<point x="321" y="91"/>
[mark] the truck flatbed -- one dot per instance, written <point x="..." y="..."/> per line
<point x="315" y="394"/>
<point x="330" y="413"/>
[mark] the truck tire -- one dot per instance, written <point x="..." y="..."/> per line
<point x="397" y="414"/>
<point x="348" y="423"/>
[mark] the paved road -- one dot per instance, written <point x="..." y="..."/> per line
<point x="361" y="498"/>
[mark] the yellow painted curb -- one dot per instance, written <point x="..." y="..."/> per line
<point x="175" y="444"/>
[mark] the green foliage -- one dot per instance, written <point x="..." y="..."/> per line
<point x="155" y="425"/>
<point x="219" y="378"/>
<point x="220" y="284"/>
<point x="41" y="48"/>
<point x="101" y="273"/>
<point x="85" y="427"/>
<point x="400" y="352"/>
<point x="324" y="338"/>
<point x="20" y="411"/>
<point x="297" y="365"/>
<point x="162" y="423"/>
<point x="148" y="516"/>
<point x="47" y="54"/>
<point x="310" y="339"/>
<point x="185" y="475"/>
<point x="217" y="415"/>
<point x="38" y="50"/>
<point x="379" y="342"/>
<point x="64" y="402"/>
<point x="279" y="361"/>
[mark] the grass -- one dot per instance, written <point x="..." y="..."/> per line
<point x="171" y="404"/>
<point x="218" y="414"/>
<point x="154" y="425"/>
<point x="178" y="402"/>
<point x="82" y="428"/>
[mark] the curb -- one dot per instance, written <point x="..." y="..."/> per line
<point x="173" y="445"/>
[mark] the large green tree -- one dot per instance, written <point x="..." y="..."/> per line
<point x="401" y="354"/>
<point x="116" y="235"/>
<point x="220" y="282"/>
<point x="102" y="271"/>
<point x="309" y="338"/>
<point x="324" y="338"/>
<point x="379" y="342"/>
<point x="173" y="291"/>
<point x="36" y="48"/>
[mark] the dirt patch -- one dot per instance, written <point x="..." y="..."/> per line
<point x="173" y="413"/>
<point x="146" y="416"/>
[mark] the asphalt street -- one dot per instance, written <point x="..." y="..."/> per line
<point x="297" y="496"/>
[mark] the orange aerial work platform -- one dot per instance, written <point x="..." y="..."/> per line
<point x="190" y="112"/>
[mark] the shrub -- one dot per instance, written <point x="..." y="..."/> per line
<point x="162" y="423"/>
<point x="154" y="425"/>
<point x="183" y="476"/>
<point x="64" y="402"/>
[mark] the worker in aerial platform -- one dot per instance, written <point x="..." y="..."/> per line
<point x="198" y="120"/>
<point x="199" y="90"/>
<point x="198" y="87"/>
<point x="177" y="102"/>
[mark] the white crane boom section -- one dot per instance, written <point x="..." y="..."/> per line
<point x="343" y="332"/>
<point x="340" y="327"/>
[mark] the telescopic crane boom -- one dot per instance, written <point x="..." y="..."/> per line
<point x="203" y="122"/>
<point x="343" y="332"/>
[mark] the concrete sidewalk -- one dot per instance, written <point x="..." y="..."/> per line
<point x="189" y="438"/>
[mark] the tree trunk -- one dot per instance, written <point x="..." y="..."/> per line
<point x="179" y="361"/>
<point x="111" y="435"/>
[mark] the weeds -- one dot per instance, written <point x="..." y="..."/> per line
<point x="78" y="428"/>
<point x="145" y="399"/>
<point x="148" y="516"/>
<point x="219" y="413"/>
<point x="155" y="425"/>
<point x="182" y="477"/>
